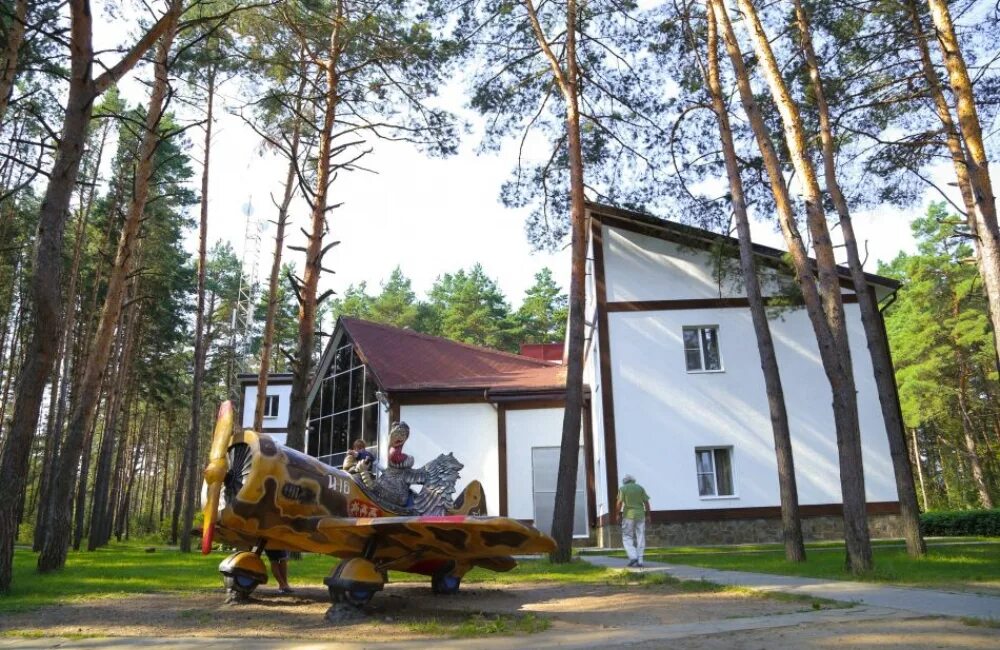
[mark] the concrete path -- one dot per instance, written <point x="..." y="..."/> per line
<point x="931" y="602"/>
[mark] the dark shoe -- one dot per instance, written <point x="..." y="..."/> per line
<point x="286" y="590"/>
<point x="632" y="562"/>
<point x="638" y="565"/>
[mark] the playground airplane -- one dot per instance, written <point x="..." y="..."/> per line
<point x="261" y="495"/>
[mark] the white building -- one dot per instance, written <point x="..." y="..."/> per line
<point x="279" y="394"/>
<point x="676" y="397"/>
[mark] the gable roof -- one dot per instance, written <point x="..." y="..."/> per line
<point x="403" y="360"/>
<point x="681" y="233"/>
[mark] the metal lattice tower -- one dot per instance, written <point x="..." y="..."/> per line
<point x="242" y="320"/>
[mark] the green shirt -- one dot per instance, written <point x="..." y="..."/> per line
<point x="633" y="498"/>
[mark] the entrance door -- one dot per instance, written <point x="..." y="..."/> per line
<point x="544" y="470"/>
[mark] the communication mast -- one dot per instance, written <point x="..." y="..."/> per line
<point x="242" y="322"/>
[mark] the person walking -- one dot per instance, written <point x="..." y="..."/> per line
<point x="633" y="509"/>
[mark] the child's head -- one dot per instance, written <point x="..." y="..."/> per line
<point x="358" y="445"/>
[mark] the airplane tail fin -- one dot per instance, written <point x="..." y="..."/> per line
<point x="472" y="501"/>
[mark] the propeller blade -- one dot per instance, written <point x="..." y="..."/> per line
<point x="215" y="472"/>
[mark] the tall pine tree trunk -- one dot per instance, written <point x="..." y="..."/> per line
<point x="308" y="299"/>
<point x="841" y="384"/>
<point x="67" y="348"/>
<point x="839" y="367"/>
<point x="976" y="160"/>
<point x="8" y="64"/>
<point x="568" y="81"/>
<point x="871" y="319"/>
<point x="199" y="333"/>
<point x="279" y="242"/>
<point x="53" y="555"/>
<point x="791" y="523"/>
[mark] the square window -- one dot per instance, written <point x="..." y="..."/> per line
<point x="271" y="406"/>
<point x="714" y="471"/>
<point x="701" y="348"/>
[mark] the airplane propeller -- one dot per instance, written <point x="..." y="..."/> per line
<point x="215" y="473"/>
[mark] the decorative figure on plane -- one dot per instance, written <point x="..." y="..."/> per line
<point x="392" y="486"/>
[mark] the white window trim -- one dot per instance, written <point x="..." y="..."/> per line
<point x="732" y="470"/>
<point x="701" y="349"/>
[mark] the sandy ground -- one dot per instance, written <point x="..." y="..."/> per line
<point x="571" y="609"/>
<point x="391" y="613"/>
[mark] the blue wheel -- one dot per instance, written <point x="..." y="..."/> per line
<point x="356" y="596"/>
<point x="445" y="584"/>
<point x="240" y="584"/>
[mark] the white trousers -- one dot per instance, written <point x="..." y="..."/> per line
<point x="634" y="538"/>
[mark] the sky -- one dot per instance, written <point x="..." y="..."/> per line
<point x="429" y="216"/>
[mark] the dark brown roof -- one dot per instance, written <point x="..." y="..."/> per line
<point x="404" y="360"/>
<point x="680" y="232"/>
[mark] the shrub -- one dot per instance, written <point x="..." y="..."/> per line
<point x="953" y="523"/>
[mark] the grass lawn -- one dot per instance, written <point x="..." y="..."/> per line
<point x="122" y="569"/>
<point x="964" y="563"/>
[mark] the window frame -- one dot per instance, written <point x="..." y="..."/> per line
<point x="701" y="348"/>
<point x="715" y="474"/>
<point x="322" y="426"/>
<point x="268" y="415"/>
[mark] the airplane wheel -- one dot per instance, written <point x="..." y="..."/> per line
<point x="242" y="585"/>
<point x="355" y="582"/>
<point x="354" y="596"/>
<point x="445" y="584"/>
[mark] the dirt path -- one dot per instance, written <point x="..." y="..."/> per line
<point x="405" y="615"/>
<point x="401" y="612"/>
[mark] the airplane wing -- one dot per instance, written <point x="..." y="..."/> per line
<point x="452" y="536"/>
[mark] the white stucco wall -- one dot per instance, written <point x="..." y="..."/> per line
<point x="662" y="412"/>
<point x="639" y="267"/>
<point x="527" y="428"/>
<point x="284" y="393"/>
<point x="467" y="430"/>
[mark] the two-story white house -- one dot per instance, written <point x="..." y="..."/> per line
<point x="676" y="397"/>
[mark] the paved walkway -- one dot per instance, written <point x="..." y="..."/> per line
<point x="920" y="601"/>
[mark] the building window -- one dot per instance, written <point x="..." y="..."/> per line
<point x="701" y="348"/>
<point x="344" y="409"/>
<point x="544" y="469"/>
<point x="271" y="406"/>
<point x="715" y="471"/>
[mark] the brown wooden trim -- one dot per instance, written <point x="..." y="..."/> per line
<point x="765" y="512"/>
<point x="703" y="303"/>
<point x="393" y="412"/>
<point x="604" y="349"/>
<point x="273" y="430"/>
<point x="440" y="397"/>
<point x="521" y="405"/>
<point x="588" y="461"/>
<point x="502" y="456"/>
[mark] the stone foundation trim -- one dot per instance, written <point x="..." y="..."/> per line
<point x="747" y="531"/>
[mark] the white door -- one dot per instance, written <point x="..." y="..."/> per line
<point x="544" y="470"/>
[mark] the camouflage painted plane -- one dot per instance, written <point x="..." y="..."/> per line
<point x="274" y="497"/>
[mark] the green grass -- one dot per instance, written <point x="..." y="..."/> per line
<point x="962" y="564"/>
<point x="478" y="625"/>
<point x="123" y="569"/>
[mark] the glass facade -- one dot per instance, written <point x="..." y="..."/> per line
<point x="345" y="408"/>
